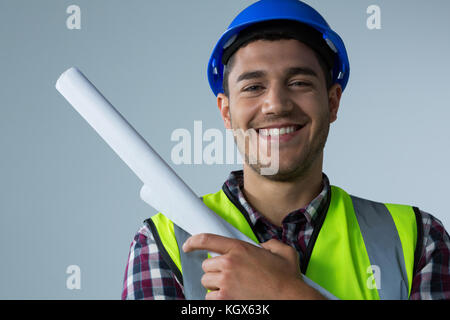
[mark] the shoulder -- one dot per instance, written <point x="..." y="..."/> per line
<point x="147" y="275"/>
<point x="143" y="237"/>
<point x="431" y="224"/>
<point x="432" y="275"/>
<point x="435" y="236"/>
<point x="144" y="233"/>
<point x="143" y="243"/>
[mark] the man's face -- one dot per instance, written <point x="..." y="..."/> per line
<point x="280" y="85"/>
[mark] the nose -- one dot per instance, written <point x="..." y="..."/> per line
<point x="277" y="101"/>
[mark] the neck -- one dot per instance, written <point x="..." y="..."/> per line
<point x="276" y="199"/>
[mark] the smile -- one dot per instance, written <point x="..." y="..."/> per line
<point x="275" y="132"/>
<point x="281" y="133"/>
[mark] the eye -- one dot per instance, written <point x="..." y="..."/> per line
<point x="298" y="83"/>
<point x="253" y="88"/>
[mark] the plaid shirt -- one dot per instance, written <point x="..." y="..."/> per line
<point x="147" y="275"/>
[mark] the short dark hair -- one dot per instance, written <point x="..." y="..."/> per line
<point x="273" y="37"/>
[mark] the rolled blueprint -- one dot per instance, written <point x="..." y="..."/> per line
<point x="163" y="189"/>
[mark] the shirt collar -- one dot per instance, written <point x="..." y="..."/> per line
<point x="235" y="184"/>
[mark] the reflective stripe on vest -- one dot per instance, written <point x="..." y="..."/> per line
<point x="364" y="249"/>
<point x="191" y="263"/>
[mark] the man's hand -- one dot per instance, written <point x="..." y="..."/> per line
<point x="245" y="271"/>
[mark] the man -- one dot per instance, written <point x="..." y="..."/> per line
<point x="280" y="70"/>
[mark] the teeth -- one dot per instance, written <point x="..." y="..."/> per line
<point x="274" y="132"/>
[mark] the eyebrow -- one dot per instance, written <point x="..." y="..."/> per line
<point x="301" y="71"/>
<point x="251" y="75"/>
<point x="290" y="72"/>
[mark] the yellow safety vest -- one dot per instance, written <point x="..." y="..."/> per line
<point x="360" y="249"/>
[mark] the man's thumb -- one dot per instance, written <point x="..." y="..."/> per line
<point x="281" y="249"/>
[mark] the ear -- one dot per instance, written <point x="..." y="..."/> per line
<point x="334" y="98"/>
<point x="224" y="107"/>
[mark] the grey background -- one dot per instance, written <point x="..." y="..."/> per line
<point x="66" y="198"/>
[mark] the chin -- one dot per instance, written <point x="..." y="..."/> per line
<point x="284" y="173"/>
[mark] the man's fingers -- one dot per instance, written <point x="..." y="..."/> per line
<point x="210" y="242"/>
<point x="214" y="264"/>
<point x="211" y="280"/>
<point x="274" y="246"/>
<point x="280" y="249"/>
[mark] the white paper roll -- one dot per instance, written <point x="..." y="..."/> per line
<point x="162" y="189"/>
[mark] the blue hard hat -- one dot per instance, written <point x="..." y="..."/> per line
<point x="265" y="10"/>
